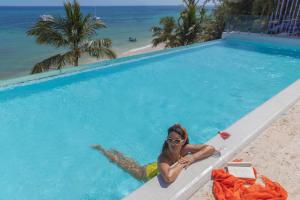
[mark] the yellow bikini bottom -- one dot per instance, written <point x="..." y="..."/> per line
<point x="151" y="170"/>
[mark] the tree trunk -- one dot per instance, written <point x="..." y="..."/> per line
<point x="76" y="56"/>
<point x="76" y="60"/>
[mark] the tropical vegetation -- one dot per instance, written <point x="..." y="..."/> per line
<point x="185" y="30"/>
<point x="75" y="32"/>
<point x="195" y="24"/>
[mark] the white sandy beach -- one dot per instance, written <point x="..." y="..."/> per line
<point x="145" y="49"/>
<point x="275" y="154"/>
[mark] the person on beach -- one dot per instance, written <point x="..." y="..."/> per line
<point x="177" y="154"/>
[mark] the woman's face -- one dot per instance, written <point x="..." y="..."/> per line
<point x="175" y="142"/>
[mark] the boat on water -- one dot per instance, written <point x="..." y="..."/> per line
<point x="95" y="15"/>
<point x="132" y="39"/>
<point x="46" y="18"/>
<point x="96" y="18"/>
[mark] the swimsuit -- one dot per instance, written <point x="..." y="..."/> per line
<point x="151" y="170"/>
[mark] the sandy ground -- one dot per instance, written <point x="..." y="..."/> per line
<point x="140" y="50"/>
<point x="145" y="49"/>
<point x="275" y="154"/>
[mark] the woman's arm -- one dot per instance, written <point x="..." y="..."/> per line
<point x="170" y="173"/>
<point x="198" y="152"/>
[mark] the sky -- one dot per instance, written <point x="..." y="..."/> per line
<point x="88" y="2"/>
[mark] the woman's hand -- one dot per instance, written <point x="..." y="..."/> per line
<point x="186" y="160"/>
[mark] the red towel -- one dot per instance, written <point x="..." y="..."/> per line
<point x="228" y="187"/>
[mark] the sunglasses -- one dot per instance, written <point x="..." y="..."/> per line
<point x="176" y="141"/>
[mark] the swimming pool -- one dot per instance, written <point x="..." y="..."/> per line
<point x="48" y="126"/>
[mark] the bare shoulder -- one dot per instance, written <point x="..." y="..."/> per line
<point x="162" y="159"/>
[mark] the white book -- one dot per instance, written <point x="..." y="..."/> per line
<point x="241" y="169"/>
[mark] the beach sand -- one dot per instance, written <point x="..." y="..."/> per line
<point x="275" y="153"/>
<point x="145" y="49"/>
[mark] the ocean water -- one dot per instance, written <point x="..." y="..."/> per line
<point x="47" y="128"/>
<point x="19" y="53"/>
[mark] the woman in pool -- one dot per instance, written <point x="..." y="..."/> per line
<point x="176" y="155"/>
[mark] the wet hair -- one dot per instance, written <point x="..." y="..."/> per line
<point x="181" y="131"/>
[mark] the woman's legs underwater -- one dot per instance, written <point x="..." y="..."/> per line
<point x="127" y="164"/>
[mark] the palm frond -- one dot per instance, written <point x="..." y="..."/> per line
<point x="157" y="41"/>
<point x="100" y="48"/>
<point x="90" y="26"/>
<point x="68" y="9"/>
<point x="57" y="61"/>
<point x="165" y="33"/>
<point x="49" y="32"/>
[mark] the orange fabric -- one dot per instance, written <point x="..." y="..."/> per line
<point x="228" y="187"/>
<point x="237" y="160"/>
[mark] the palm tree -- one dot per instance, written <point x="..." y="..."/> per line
<point x="75" y="31"/>
<point x="165" y="34"/>
<point x="186" y="31"/>
<point x="189" y="26"/>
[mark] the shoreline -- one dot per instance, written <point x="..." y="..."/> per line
<point x="139" y="50"/>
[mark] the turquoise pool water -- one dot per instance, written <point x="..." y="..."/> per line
<point x="47" y="127"/>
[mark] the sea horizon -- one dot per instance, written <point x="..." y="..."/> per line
<point x="179" y="5"/>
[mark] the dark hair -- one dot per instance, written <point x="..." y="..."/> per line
<point x="177" y="128"/>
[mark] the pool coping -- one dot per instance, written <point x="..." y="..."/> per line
<point x="242" y="133"/>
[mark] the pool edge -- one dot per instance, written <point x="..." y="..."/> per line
<point x="242" y="132"/>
